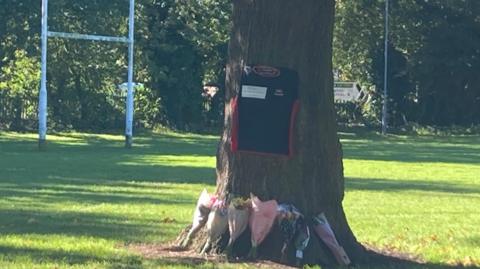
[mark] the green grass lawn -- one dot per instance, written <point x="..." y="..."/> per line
<point x="418" y="195"/>
<point x="80" y="203"/>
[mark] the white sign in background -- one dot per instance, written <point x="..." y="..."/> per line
<point x="345" y="91"/>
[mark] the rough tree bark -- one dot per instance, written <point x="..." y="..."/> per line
<point x="296" y="35"/>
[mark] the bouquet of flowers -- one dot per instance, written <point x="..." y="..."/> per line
<point x="261" y="221"/>
<point x="217" y="223"/>
<point x="325" y="232"/>
<point x="302" y="237"/>
<point x="238" y="216"/>
<point x="293" y="225"/>
<point x="200" y="215"/>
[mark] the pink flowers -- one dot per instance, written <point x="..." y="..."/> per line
<point x="235" y="215"/>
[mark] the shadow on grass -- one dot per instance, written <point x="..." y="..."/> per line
<point x="473" y="241"/>
<point x="39" y="256"/>
<point x="97" y="170"/>
<point x="59" y="194"/>
<point x="407" y="185"/>
<point x="412" y="149"/>
<point x="126" y="229"/>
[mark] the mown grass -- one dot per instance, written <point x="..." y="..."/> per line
<point x="79" y="204"/>
<point x="418" y="195"/>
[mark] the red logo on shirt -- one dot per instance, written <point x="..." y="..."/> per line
<point x="266" y="71"/>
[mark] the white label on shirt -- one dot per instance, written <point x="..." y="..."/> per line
<point x="299" y="254"/>
<point x="249" y="91"/>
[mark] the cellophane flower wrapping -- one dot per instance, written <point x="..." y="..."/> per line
<point x="261" y="219"/>
<point x="302" y="237"/>
<point x="324" y="231"/>
<point x="238" y="216"/>
<point x="293" y="226"/>
<point x="287" y="216"/>
<point x="217" y="222"/>
<point x="200" y="215"/>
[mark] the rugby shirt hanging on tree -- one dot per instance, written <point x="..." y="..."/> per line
<point x="264" y="110"/>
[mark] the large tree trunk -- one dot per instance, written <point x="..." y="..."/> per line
<point x="296" y="35"/>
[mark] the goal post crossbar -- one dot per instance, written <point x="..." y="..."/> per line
<point x="88" y="37"/>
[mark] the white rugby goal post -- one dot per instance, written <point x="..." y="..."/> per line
<point x="42" y="99"/>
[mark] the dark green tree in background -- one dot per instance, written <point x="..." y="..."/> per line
<point x="434" y="54"/>
<point x="184" y="44"/>
<point x="181" y="45"/>
<point x="445" y="68"/>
